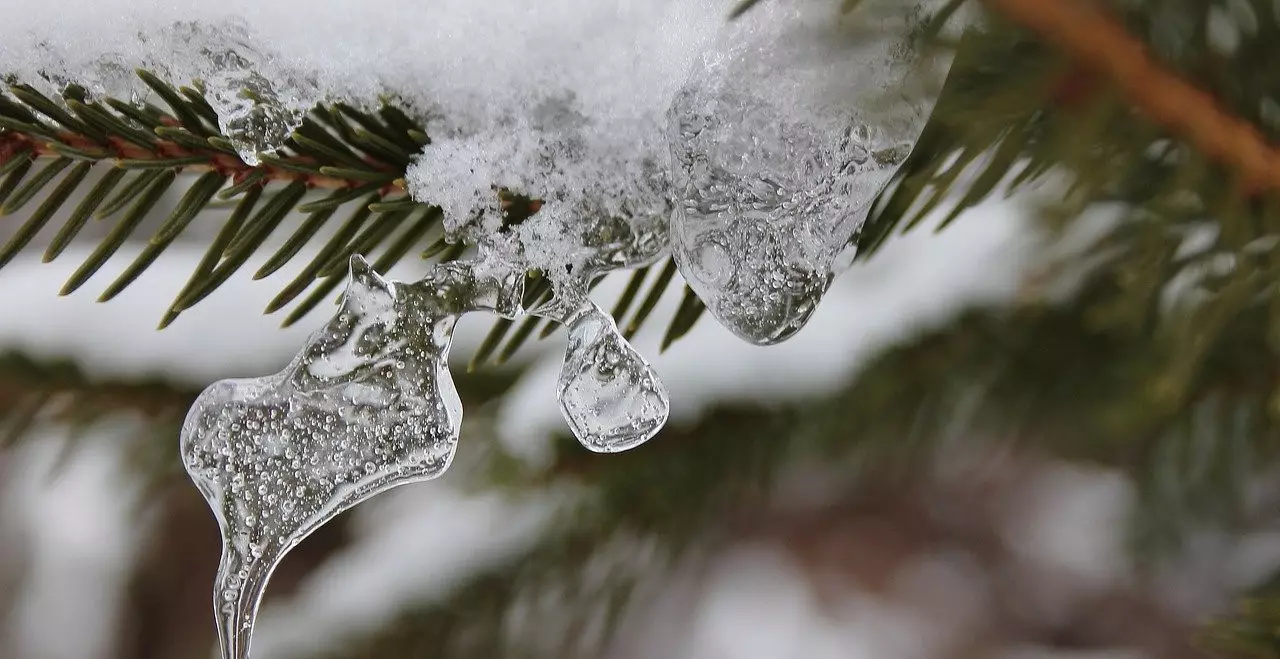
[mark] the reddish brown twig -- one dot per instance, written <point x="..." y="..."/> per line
<point x="1096" y="41"/>
<point x="13" y="144"/>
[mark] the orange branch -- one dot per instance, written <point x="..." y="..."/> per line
<point x="1096" y="41"/>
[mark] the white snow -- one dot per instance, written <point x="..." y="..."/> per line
<point x="471" y="60"/>
<point x="563" y="100"/>
<point x="493" y="75"/>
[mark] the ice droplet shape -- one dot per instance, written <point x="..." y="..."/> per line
<point x="780" y="139"/>
<point x="610" y="396"/>
<point x="368" y="405"/>
<point x="258" y="98"/>
<point x="251" y="115"/>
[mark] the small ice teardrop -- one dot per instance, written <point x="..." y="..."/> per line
<point x="783" y="135"/>
<point x="608" y="393"/>
<point x="251" y="115"/>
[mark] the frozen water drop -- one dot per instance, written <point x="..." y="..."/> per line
<point x="780" y="139"/>
<point x="609" y="395"/>
<point x="256" y="113"/>
<point x="608" y="392"/>
<point x="405" y="430"/>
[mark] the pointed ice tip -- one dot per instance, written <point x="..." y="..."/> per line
<point x="366" y="280"/>
<point x="360" y="267"/>
<point x="364" y="273"/>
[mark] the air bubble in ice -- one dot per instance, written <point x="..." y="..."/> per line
<point x="366" y="424"/>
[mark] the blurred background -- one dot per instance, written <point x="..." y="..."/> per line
<point x="802" y="502"/>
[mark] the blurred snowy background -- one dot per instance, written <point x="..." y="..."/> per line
<point x="1003" y="554"/>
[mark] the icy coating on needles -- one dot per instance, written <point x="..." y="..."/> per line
<point x="749" y="151"/>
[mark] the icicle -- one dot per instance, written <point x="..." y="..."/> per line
<point x="367" y="405"/>
<point x="610" y="396"/>
<point x="782" y="136"/>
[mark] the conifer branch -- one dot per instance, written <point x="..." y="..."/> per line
<point x="361" y="157"/>
<point x="1095" y="40"/>
<point x="35" y="392"/>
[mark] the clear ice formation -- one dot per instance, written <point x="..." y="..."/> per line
<point x="609" y="394"/>
<point x="781" y="136"/>
<point x="259" y="96"/>
<point x="253" y="113"/>
<point x="367" y="405"/>
<point x="785" y="131"/>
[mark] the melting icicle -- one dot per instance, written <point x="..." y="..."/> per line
<point x="367" y="405"/>
<point x="609" y="394"/>
<point x="780" y="139"/>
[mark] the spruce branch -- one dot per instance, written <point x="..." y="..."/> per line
<point x="588" y="563"/>
<point x="173" y="144"/>
<point x="1085" y="95"/>
<point x="166" y="154"/>
<point x="360" y="157"/>
<point x="145" y="149"/>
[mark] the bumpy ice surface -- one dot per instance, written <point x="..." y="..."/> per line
<point x="366" y="406"/>
<point x="369" y="405"/>
<point x="785" y="131"/>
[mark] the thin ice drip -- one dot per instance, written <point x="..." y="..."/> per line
<point x="367" y="405"/>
